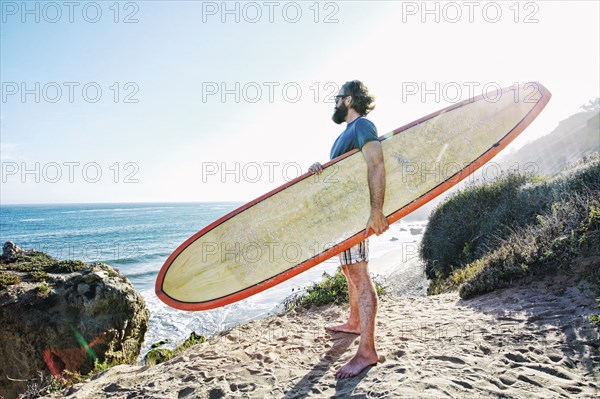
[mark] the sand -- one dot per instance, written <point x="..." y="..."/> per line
<point x="531" y="341"/>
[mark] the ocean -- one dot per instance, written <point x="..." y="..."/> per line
<point x="136" y="239"/>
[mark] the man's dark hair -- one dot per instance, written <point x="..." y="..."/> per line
<point x="362" y="101"/>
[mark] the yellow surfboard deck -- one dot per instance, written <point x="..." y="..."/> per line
<point x="312" y="218"/>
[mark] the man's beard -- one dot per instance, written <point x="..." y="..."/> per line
<point x="340" y="114"/>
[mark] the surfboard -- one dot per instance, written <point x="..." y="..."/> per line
<point x="314" y="217"/>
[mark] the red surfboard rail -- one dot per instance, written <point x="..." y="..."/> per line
<point x="360" y="236"/>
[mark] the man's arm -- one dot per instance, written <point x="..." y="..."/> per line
<point x="376" y="178"/>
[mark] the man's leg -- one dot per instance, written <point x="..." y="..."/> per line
<point x="353" y="324"/>
<point x="367" y="298"/>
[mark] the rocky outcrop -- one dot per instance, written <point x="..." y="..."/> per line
<point x="63" y="315"/>
<point x="10" y="250"/>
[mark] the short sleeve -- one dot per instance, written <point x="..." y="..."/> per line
<point x="365" y="131"/>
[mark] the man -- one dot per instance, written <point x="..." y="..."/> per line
<point x="353" y="103"/>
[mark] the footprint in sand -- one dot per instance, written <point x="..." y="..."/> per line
<point x="451" y="359"/>
<point x="515" y="357"/>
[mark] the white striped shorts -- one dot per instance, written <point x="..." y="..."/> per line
<point x="355" y="254"/>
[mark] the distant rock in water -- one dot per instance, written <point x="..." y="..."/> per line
<point x="10" y="250"/>
<point x="63" y="315"/>
<point x="415" y="232"/>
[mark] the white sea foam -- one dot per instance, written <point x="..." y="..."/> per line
<point x="135" y="209"/>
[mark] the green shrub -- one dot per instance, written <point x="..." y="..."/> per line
<point x="489" y="237"/>
<point x="595" y="319"/>
<point x="7" y="279"/>
<point x="462" y="229"/>
<point x="43" y="289"/>
<point x="39" y="264"/>
<point x="331" y="289"/>
<point x="67" y="266"/>
<point x="159" y="355"/>
<point x="39" y="276"/>
<point x="70" y="378"/>
<point x="540" y="248"/>
<point x="193" y="339"/>
<point x="29" y="261"/>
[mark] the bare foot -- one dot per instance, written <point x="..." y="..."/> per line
<point x="346" y="327"/>
<point x="357" y="364"/>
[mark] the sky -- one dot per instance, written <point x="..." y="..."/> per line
<point x="189" y="101"/>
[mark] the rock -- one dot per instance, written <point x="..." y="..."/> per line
<point x="10" y="250"/>
<point x="416" y="231"/>
<point x="58" y="316"/>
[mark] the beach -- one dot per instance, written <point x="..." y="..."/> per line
<point x="533" y="340"/>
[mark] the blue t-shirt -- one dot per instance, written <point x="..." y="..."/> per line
<point x="358" y="132"/>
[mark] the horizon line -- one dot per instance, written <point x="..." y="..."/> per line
<point x="120" y="203"/>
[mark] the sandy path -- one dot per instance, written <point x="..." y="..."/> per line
<point x="532" y="341"/>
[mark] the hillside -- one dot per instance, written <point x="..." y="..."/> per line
<point x="573" y="138"/>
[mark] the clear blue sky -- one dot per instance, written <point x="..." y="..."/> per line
<point x="282" y="60"/>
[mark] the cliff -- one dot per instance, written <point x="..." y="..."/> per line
<point x="62" y="317"/>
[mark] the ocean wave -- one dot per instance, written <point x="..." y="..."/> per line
<point x="141" y="274"/>
<point x="132" y="258"/>
<point x="32" y="220"/>
<point x="97" y="210"/>
<point x="119" y="209"/>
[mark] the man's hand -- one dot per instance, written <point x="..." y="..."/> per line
<point x="316" y="168"/>
<point x="377" y="222"/>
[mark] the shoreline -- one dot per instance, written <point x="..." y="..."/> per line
<point x="515" y="342"/>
